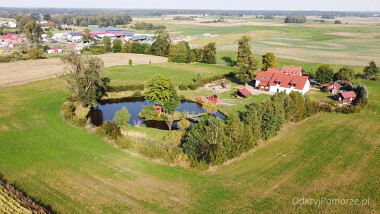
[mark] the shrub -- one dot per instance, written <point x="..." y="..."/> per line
<point x="122" y="117"/>
<point x="130" y="62"/>
<point x="97" y="51"/>
<point x="124" y="142"/>
<point x="182" y="87"/>
<point x="82" y="112"/>
<point x="67" y="111"/>
<point x="149" y="113"/>
<point x="111" y="129"/>
<point x="184" y="124"/>
<point x="137" y="94"/>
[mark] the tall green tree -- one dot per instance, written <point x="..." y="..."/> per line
<point x="106" y="41"/>
<point x="180" y="53"/>
<point x="209" y="53"/>
<point x="160" y="90"/>
<point x="299" y="104"/>
<point x="83" y="79"/>
<point x="117" y="46"/>
<point x="246" y="63"/>
<point x="371" y="69"/>
<point x="47" y="17"/>
<point x="122" y="117"/>
<point x="345" y="73"/>
<point x="324" y="74"/>
<point x="269" y="61"/>
<point x="86" y="36"/>
<point x="161" y="44"/>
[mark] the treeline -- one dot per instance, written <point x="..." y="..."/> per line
<point x="184" y="17"/>
<point x="143" y="26"/>
<point x="102" y="20"/>
<point x="13" y="12"/>
<point x="213" y="141"/>
<point x="295" y="19"/>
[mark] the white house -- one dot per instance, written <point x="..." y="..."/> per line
<point x="74" y="37"/>
<point x="59" y="36"/>
<point x="54" y="50"/>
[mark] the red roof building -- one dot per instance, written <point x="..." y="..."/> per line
<point x="157" y="108"/>
<point x="333" y="87"/>
<point x="11" y="38"/>
<point x="242" y="93"/>
<point x="346" y="97"/>
<point x="292" y="70"/>
<point x="51" y="23"/>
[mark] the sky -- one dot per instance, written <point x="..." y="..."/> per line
<point x="325" y="5"/>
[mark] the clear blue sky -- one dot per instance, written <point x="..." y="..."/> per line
<point x="341" y="5"/>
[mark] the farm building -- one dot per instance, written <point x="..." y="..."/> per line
<point x="59" y="36"/>
<point x="345" y="97"/>
<point x="54" y="50"/>
<point x="157" y="108"/>
<point x="64" y="25"/>
<point x="101" y="36"/>
<point x="104" y="30"/>
<point x="74" y="37"/>
<point x="140" y="38"/>
<point x="242" y="93"/>
<point x="332" y="88"/>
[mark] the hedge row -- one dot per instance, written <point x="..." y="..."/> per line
<point x="206" y="80"/>
<point x="131" y="87"/>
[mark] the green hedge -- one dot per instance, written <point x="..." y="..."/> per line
<point x="131" y="87"/>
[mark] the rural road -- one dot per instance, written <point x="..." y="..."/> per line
<point x="21" y="72"/>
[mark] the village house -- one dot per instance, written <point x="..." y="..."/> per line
<point x="54" y="50"/>
<point x="243" y="93"/>
<point x="11" y="39"/>
<point x="64" y="25"/>
<point x="288" y="79"/>
<point x="60" y="36"/>
<point x="332" y="88"/>
<point x="345" y="97"/>
<point x="41" y="22"/>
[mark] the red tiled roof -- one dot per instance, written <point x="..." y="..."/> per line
<point x="11" y="35"/>
<point x="264" y="76"/>
<point x="287" y="80"/>
<point x="55" y="48"/>
<point x="335" y="84"/>
<point x="273" y="70"/>
<point x="291" y="70"/>
<point x="263" y="83"/>
<point x="348" y="94"/>
<point x="244" y="92"/>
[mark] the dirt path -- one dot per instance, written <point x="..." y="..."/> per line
<point x="21" y="72"/>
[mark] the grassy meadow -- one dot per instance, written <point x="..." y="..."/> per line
<point x="75" y="172"/>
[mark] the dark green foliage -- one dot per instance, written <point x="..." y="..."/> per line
<point x="371" y="69"/>
<point x="137" y="94"/>
<point x="337" y="22"/>
<point x="130" y="63"/>
<point x="246" y="63"/>
<point x="295" y="19"/>
<point x="206" y="142"/>
<point x="126" y="48"/>
<point x="45" y="48"/>
<point x="143" y="26"/>
<point x="269" y="61"/>
<point x="82" y="76"/>
<point x="345" y="73"/>
<point x="111" y="129"/>
<point x="116" y="46"/>
<point x="86" y="36"/>
<point x="182" y="87"/>
<point x="140" y="48"/>
<point x="160" y="90"/>
<point x="324" y="74"/>
<point x="35" y="52"/>
<point x="199" y="54"/>
<point x="161" y="44"/>
<point x="180" y="53"/>
<point x="311" y="107"/>
<point x="299" y="104"/>
<point x="97" y="51"/>
<point x="209" y="53"/>
<point x="106" y="41"/>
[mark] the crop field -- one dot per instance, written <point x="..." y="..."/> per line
<point x="73" y="171"/>
<point x="10" y="204"/>
<point x="20" y="72"/>
<point x="354" y="43"/>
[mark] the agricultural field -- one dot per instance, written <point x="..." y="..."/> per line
<point x="353" y="43"/>
<point x="20" y="72"/>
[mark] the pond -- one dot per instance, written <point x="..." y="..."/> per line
<point x="106" y="110"/>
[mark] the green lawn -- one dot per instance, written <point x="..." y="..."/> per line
<point x="177" y="73"/>
<point x="329" y="155"/>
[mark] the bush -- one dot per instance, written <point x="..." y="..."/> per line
<point x="184" y="124"/>
<point x="130" y="62"/>
<point x="182" y="87"/>
<point x="124" y="142"/>
<point x="97" y="51"/>
<point x="149" y="113"/>
<point x="122" y="117"/>
<point x="137" y="94"/>
<point x="67" y="111"/>
<point x="111" y="129"/>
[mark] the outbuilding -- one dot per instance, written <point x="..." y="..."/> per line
<point x="346" y="97"/>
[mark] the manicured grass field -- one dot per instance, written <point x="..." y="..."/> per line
<point x="177" y="73"/>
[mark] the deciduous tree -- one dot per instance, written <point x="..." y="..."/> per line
<point x="246" y="63"/>
<point x="269" y="61"/>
